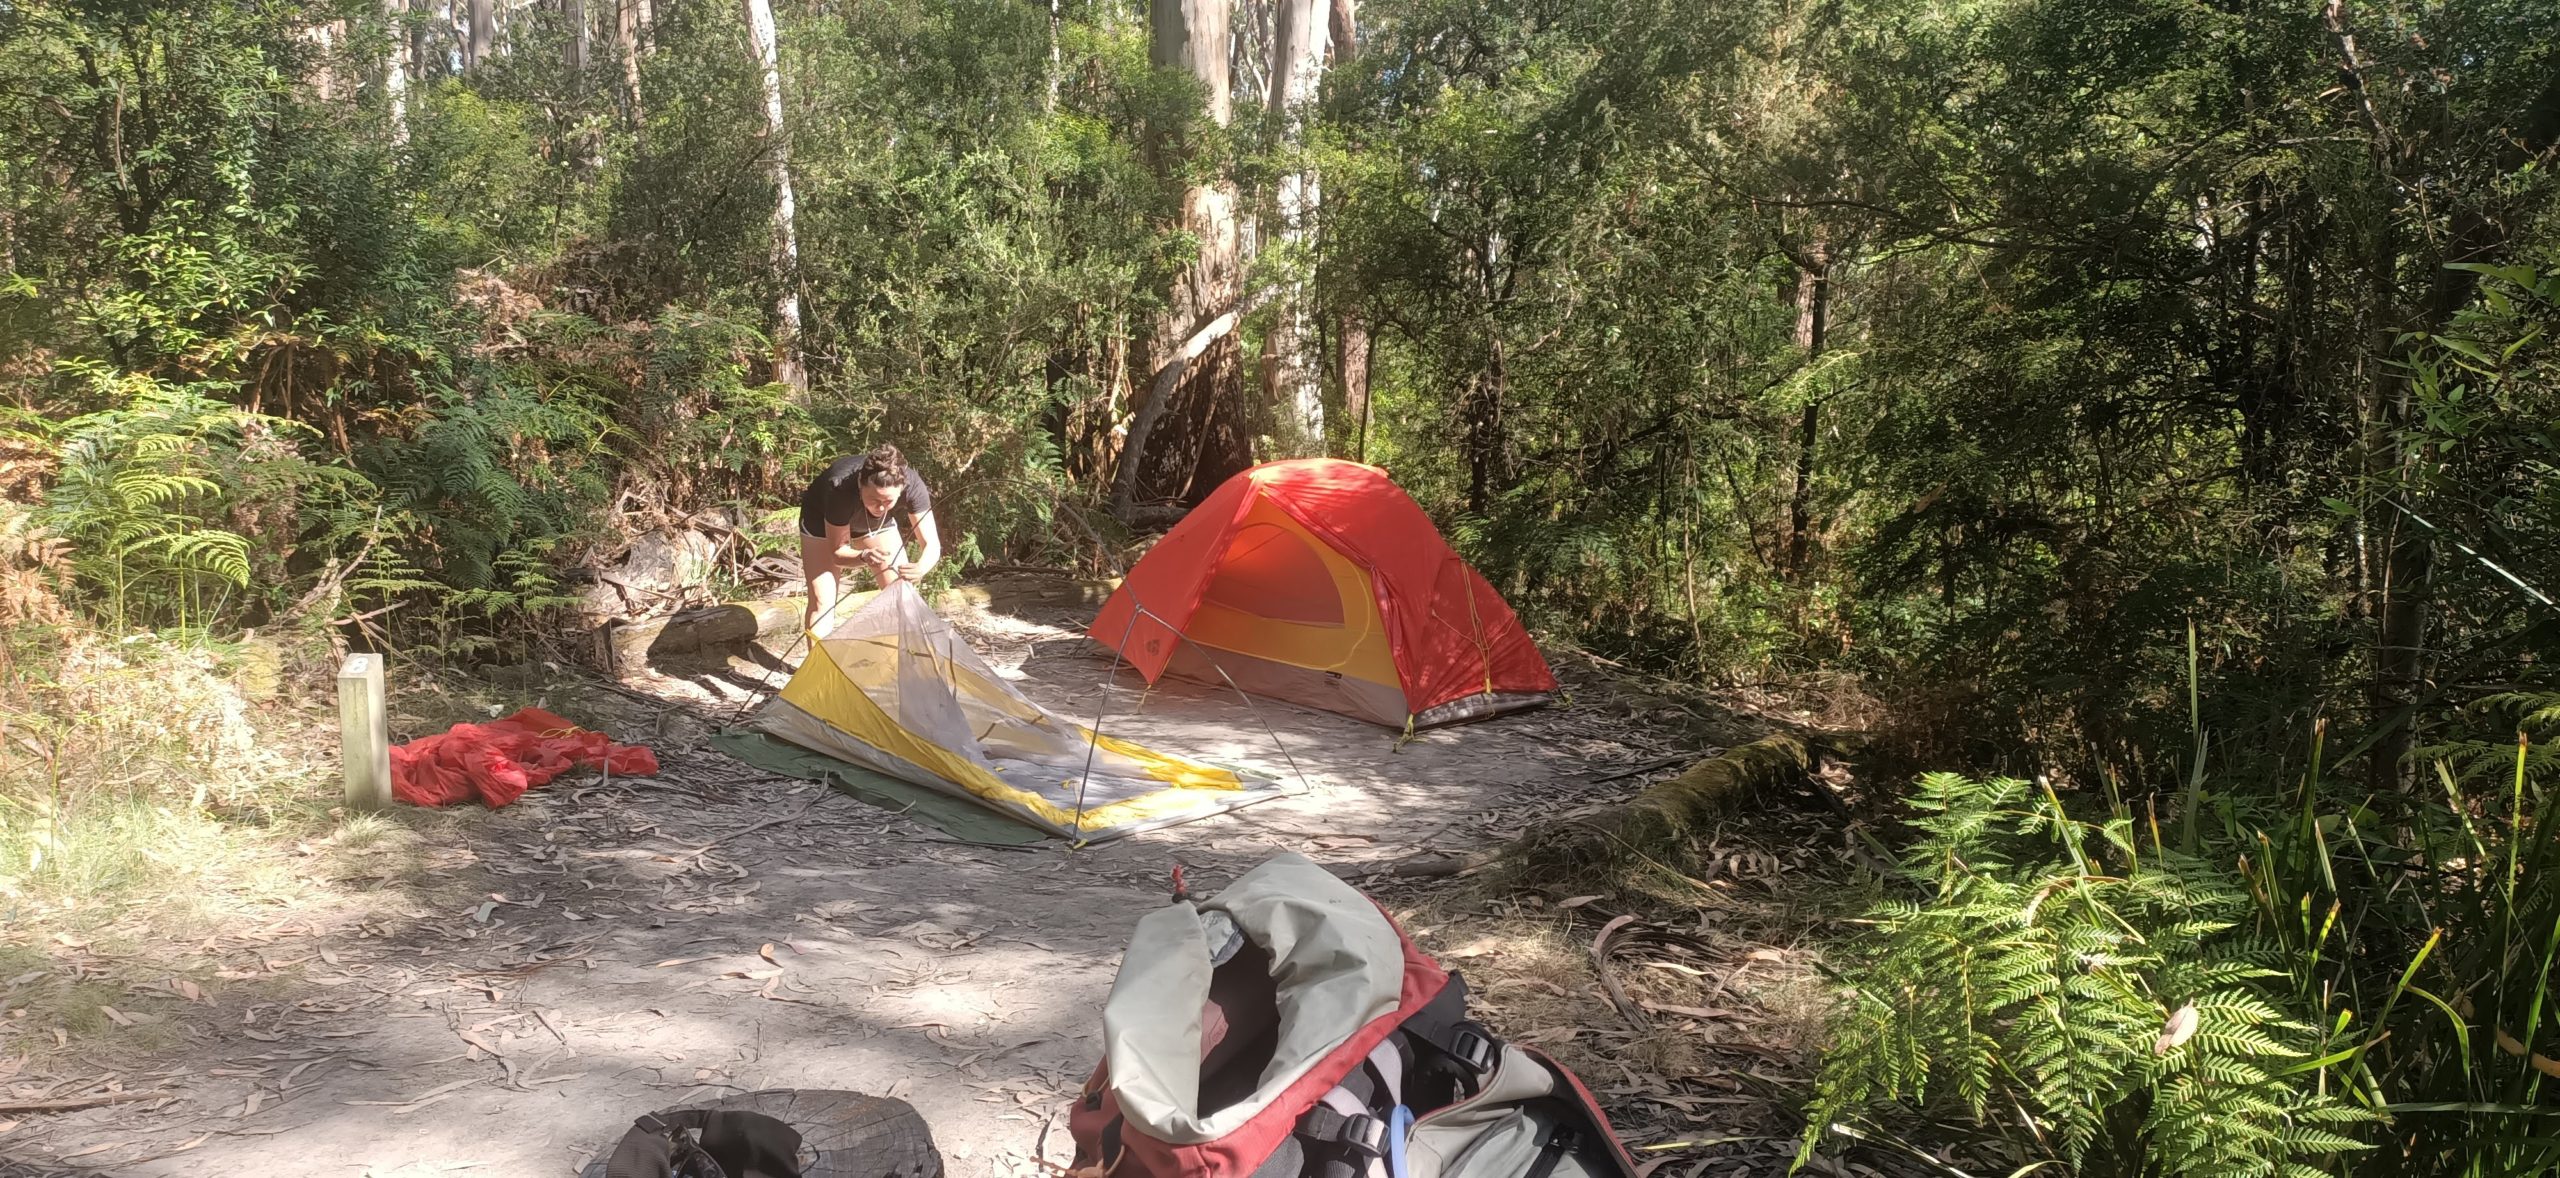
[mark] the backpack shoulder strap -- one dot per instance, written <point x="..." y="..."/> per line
<point x="1452" y="1040"/>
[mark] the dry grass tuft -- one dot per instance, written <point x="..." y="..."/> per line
<point x="1720" y="1007"/>
<point x="149" y="802"/>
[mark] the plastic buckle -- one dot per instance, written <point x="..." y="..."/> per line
<point x="1473" y="1050"/>
<point x="649" y="1123"/>
<point x="1365" y="1133"/>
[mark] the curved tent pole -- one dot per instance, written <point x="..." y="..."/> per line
<point x="1093" y="733"/>
<point x="806" y="633"/>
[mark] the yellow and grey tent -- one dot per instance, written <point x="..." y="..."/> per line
<point x="894" y="687"/>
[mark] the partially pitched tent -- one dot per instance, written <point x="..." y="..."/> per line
<point x="1321" y="582"/>
<point x="894" y="687"/>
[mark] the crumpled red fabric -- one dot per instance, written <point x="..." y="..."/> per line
<point x="496" y="762"/>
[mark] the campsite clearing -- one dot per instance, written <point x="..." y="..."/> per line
<point x="508" y="989"/>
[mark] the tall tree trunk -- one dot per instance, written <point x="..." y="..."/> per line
<point x="626" y="45"/>
<point x="573" y="52"/>
<point x="2400" y="612"/>
<point x="448" y="39"/>
<point x="1057" y="63"/>
<point x="785" y="253"/>
<point x="1351" y="367"/>
<point x="1350" y="330"/>
<point x="1813" y="315"/>
<point x="1292" y="379"/>
<point x="1192" y="351"/>
<point x="1488" y="462"/>
<point x="483" y="15"/>
<point x="324" y="78"/>
<point x="395" y="69"/>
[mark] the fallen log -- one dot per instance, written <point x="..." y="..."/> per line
<point x="1416" y="867"/>
<point x="1658" y="826"/>
<point x="630" y="646"/>
<point x="635" y="643"/>
<point x="1008" y="592"/>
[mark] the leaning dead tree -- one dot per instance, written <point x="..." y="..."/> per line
<point x="1193" y="358"/>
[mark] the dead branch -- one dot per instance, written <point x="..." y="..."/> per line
<point x="75" y="1103"/>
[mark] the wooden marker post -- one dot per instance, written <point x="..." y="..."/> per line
<point x="364" y="733"/>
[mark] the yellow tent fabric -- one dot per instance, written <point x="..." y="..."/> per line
<point x="894" y="687"/>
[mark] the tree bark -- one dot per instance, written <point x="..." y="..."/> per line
<point x="1661" y="824"/>
<point x="573" y="13"/>
<point x="2400" y="611"/>
<point x="1293" y="383"/>
<point x="626" y="45"/>
<point x="1201" y="392"/>
<point x="1488" y="465"/>
<point x="1056" y="62"/>
<point x="1350" y="330"/>
<point x="1191" y="36"/>
<point x="785" y="253"/>
<point x="453" y="30"/>
<point x="1351" y="367"/>
<point x="324" y="76"/>
<point x="395" y="69"/>
<point x="1160" y="394"/>
<point x="483" y="15"/>
<point x="1813" y="314"/>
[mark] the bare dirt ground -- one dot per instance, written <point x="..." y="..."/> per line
<point x="502" y="992"/>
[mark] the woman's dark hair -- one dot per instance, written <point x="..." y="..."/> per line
<point x="882" y="467"/>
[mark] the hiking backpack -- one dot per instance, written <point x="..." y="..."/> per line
<point x="1288" y="1028"/>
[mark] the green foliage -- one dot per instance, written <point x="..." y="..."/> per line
<point x="2091" y="996"/>
<point x="2437" y="920"/>
<point x="158" y="498"/>
<point x="487" y="187"/>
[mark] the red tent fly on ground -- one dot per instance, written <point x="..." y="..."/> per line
<point x="498" y="761"/>
<point x="1321" y="582"/>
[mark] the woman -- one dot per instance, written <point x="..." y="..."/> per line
<point x="849" y="520"/>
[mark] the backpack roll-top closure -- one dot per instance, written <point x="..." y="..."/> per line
<point x="1337" y="965"/>
<point x="1151" y="1023"/>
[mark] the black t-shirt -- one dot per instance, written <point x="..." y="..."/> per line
<point x="836" y="499"/>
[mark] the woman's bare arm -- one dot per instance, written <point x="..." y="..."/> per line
<point x="930" y="553"/>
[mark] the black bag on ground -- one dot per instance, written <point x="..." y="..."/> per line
<point x="777" y="1133"/>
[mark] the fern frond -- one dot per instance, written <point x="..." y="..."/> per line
<point x="2026" y="980"/>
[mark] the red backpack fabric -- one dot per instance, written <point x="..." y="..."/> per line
<point x="1287" y="1027"/>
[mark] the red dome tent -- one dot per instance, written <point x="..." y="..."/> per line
<point x="1321" y="582"/>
